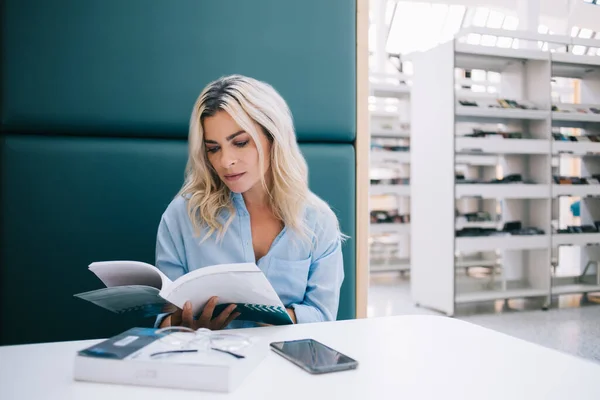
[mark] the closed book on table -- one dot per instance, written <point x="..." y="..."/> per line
<point x="181" y="360"/>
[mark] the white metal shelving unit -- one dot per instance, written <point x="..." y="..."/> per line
<point x="587" y="245"/>
<point x="439" y="147"/>
<point x="389" y="111"/>
<point x="520" y="265"/>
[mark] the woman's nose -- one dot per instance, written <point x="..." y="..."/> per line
<point x="228" y="159"/>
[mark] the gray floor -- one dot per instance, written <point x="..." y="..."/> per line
<point x="571" y="325"/>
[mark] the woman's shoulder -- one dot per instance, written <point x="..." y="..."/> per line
<point x="320" y="216"/>
<point x="177" y="205"/>
<point x="177" y="210"/>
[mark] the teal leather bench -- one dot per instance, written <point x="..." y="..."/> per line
<point x="96" y="98"/>
<point x="67" y="202"/>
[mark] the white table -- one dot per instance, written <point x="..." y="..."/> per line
<point x="408" y="357"/>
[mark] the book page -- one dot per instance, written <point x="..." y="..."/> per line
<point x="122" y="273"/>
<point x="232" y="283"/>
<point x="126" y="298"/>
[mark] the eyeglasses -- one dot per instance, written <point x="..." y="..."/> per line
<point x="179" y="339"/>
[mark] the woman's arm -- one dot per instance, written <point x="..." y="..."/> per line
<point x="170" y="251"/>
<point x="169" y="255"/>
<point x="325" y="276"/>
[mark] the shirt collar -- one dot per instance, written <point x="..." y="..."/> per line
<point x="238" y="202"/>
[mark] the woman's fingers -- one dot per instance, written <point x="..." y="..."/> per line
<point x="219" y="322"/>
<point x="187" y="317"/>
<point x="176" y="318"/>
<point x="231" y="317"/>
<point x="166" y="322"/>
<point x="169" y="308"/>
<point x="207" y="313"/>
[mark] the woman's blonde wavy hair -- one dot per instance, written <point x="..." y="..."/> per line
<point x="248" y="100"/>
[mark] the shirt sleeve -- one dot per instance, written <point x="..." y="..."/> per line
<point x="170" y="254"/>
<point x="325" y="277"/>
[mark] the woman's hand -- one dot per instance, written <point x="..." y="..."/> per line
<point x="205" y="320"/>
<point x="292" y="314"/>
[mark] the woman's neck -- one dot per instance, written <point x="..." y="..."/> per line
<point x="256" y="198"/>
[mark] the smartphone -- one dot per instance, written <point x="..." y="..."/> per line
<point x="313" y="356"/>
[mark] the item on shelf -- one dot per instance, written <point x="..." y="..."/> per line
<point x="527" y="232"/>
<point x="474" y="232"/>
<point x="579" y="229"/>
<point x="382" y="148"/>
<point x="567" y="108"/>
<point x="589" y="228"/>
<point x="401" y="181"/>
<point x="501" y="103"/>
<point x="583" y="138"/>
<point x="478" y="133"/>
<point x="511" y="178"/>
<point x="390" y="144"/>
<point x="575" y="180"/>
<point x="515" y="228"/>
<point x="391" y="181"/>
<point x="388" y="217"/>
<point x="512" y="228"/>
<point x="383" y="181"/>
<point x="507" y="103"/>
<point x="479" y="216"/>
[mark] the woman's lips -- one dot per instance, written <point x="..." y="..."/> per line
<point x="233" y="177"/>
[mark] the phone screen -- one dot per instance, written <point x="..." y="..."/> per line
<point x="313" y="355"/>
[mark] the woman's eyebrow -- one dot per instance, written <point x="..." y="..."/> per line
<point x="233" y="135"/>
<point x="229" y="138"/>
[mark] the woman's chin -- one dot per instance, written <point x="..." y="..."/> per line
<point x="237" y="187"/>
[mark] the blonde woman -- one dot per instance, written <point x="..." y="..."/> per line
<point x="246" y="199"/>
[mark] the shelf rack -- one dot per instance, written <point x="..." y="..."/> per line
<point x="440" y="146"/>
<point x="389" y="110"/>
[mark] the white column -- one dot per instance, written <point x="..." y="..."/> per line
<point x="528" y="12"/>
<point x="381" y="34"/>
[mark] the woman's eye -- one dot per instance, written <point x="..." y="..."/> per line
<point x="242" y="144"/>
<point x="211" y="149"/>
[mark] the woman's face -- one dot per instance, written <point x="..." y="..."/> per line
<point x="233" y="153"/>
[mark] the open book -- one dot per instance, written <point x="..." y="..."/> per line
<point x="137" y="286"/>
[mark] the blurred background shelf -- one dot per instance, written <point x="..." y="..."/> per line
<point x="467" y="244"/>
<point x="399" y="190"/>
<point x="499" y="294"/>
<point x="575" y="239"/>
<point x="380" y="157"/>
<point x="503" y="191"/>
<point x="390" y="228"/>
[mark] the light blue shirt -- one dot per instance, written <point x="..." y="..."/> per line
<point x="307" y="277"/>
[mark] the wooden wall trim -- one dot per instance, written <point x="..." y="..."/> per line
<point x="362" y="145"/>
